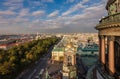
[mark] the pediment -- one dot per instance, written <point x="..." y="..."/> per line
<point x="69" y="49"/>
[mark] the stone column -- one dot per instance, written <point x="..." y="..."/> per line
<point x="74" y="59"/>
<point x="102" y="49"/>
<point x="111" y="55"/>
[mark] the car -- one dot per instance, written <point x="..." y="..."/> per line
<point x="41" y="72"/>
<point x="37" y="77"/>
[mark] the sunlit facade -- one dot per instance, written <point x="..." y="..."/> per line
<point x="57" y="54"/>
<point x="69" y="63"/>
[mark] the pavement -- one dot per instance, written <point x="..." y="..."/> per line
<point x="54" y="70"/>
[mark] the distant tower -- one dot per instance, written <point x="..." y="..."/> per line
<point x="69" y="63"/>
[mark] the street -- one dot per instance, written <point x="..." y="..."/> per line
<point x="32" y="72"/>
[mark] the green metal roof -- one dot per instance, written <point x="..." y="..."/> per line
<point x="88" y="53"/>
<point x="93" y="48"/>
<point x="58" y="49"/>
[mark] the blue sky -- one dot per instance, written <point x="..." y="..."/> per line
<point x="50" y="16"/>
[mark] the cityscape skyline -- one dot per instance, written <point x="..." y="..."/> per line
<point x="50" y="16"/>
<point x="54" y="39"/>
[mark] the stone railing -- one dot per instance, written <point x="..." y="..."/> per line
<point x="111" y="19"/>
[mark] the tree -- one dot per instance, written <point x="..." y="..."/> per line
<point x="15" y="59"/>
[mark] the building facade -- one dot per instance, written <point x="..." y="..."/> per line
<point x="69" y="63"/>
<point x="58" y="54"/>
<point x="109" y="41"/>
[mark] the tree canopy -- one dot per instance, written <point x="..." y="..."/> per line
<point x="17" y="58"/>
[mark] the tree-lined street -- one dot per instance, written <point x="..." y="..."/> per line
<point x="31" y="73"/>
<point x="25" y="58"/>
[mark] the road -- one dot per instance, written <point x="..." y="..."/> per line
<point x="34" y="70"/>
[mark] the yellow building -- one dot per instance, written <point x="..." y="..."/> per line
<point x="58" y="51"/>
<point x="57" y="54"/>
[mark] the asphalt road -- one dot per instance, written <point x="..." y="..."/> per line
<point x="30" y="73"/>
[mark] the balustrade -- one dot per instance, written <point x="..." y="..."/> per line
<point x="111" y="19"/>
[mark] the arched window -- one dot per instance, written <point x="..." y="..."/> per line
<point x="69" y="59"/>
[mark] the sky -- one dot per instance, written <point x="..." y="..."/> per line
<point x="50" y="16"/>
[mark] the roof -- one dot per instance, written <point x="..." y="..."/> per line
<point x="58" y="49"/>
<point x="109" y="2"/>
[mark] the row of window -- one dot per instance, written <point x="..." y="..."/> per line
<point x="114" y="8"/>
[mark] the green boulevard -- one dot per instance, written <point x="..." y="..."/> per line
<point x="16" y="59"/>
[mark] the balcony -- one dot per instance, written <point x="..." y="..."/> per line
<point x="109" y="21"/>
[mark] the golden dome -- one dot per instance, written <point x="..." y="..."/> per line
<point x="69" y="45"/>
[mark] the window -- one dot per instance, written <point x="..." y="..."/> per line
<point x="69" y="59"/>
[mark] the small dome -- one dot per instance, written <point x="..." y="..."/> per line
<point x="69" y="45"/>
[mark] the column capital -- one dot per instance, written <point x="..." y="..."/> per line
<point x="101" y="36"/>
<point x="111" y="38"/>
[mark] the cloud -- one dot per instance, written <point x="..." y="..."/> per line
<point x="35" y="3"/>
<point x="50" y="1"/>
<point x="76" y="7"/>
<point x="7" y="12"/>
<point x="10" y="17"/>
<point x="84" y="22"/>
<point x="84" y="1"/>
<point x="25" y="19"/>
<point x="13" y="3"/>
<point x="23" y="12"/>
<point x="70" y="1"/>
<point x="38" y="13"/>
<point x="73" y="9"/>
<point x="10" y="21"/>
<point x="54" y="14"/>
